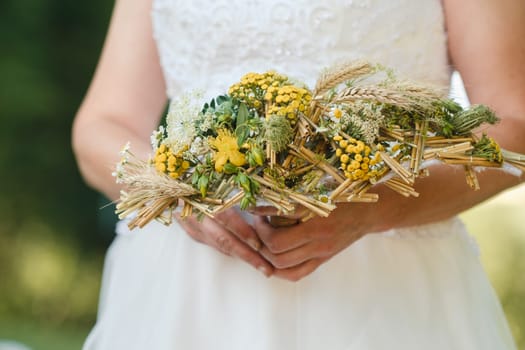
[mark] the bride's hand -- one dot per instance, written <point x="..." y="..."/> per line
<point x="231" y="235"/>
<point x="298" y="250"/>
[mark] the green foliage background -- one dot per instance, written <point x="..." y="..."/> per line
<point x="53" y="234"/>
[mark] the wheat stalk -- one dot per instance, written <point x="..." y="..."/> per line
<point x="338" y="74"/>
<point x="405" y="95"/>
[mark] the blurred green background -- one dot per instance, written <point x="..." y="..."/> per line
<point x="53" y="232"/>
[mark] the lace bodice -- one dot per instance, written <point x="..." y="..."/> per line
<point x="208" y="45"/>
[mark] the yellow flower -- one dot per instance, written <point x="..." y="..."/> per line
<point x="324" y="198"/>
<point x="354" y="165"/>
<point x="227" y="150"/>
<point x="160" y="167"/>
<point x="161" y="157"/>
<point x="357" y="174"/>
<point x="350" y="149"/>
<point x="167" y="162"/>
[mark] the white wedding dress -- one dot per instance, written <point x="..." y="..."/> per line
<point x="410" y="289"/>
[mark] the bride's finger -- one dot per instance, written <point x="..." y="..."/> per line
<point x="280" y="240"/>
<point x="190" y="229"/>
<point x="298" y="272"/>
<point x="233" y="222"/>
<point x="213" y="234"/>
<point x="294" y="257"/>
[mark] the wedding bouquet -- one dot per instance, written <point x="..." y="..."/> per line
<point x="273" y="141"/>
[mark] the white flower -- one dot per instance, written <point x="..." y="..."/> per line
<point x="156" y="137"/>
<point x="364" y="118"/>
<point x="118" y="174"/>
<point x="181" y="120"/>
<point x="335" y="114"/>
<point x="206" y="122"/>
<point x="125" y="150"/>
<point x="199" y="146"/>
<point x="324" y="198"/>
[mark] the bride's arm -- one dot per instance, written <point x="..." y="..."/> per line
<point x="486" y="45"/>
<point x="125" y="99"/>
<point x="124" y="103"/>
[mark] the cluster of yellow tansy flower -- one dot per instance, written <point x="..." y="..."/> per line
<point x="287" y="101"/>
<point x="275" y="91"/>
<point x="167" y="162"/>
<point x="355" y="158"/>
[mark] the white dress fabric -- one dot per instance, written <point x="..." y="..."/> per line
<point x="416" y="288"/>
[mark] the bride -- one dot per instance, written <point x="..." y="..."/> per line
<point x="399" y="274"/>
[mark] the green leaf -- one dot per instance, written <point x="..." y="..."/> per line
<point x="195" y="178"/>
<point x="254" y="186"/>
<point x="221" y="99"/>
<point x="242" y="115"/>
<point x="203" y="185"/>
<point x="242" y="134"/>
<point x="244" y="182"/>
<point x="229" y="168"/>
<point x="245" y="203"/>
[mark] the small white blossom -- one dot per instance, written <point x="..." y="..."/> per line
<point x="199" y="146"/>
<point x="156" y="137"/>
<point x="366" y="118"/>
<point x="206" y="122"/>
<point x="335" y="114"/>
<point x="181" y="121"/>
<point x="325" y="199"/>
<point x="125" y="150"/>
<point x="118" y="174"/>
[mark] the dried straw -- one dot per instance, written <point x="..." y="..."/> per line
<point x="339" y="74"/>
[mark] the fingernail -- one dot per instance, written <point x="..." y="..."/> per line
<point x="264" y="270"/>
<point x="255" y="244"/>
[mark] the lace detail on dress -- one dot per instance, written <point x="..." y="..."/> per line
<point x="210" y="44"/>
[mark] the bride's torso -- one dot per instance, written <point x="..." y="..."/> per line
<point x="208" y="45"/>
